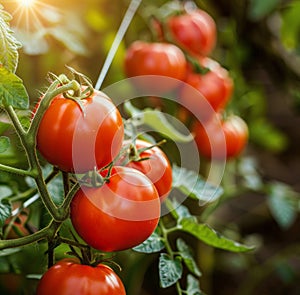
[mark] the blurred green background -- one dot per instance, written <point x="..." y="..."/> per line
<point x="258" y="42"/>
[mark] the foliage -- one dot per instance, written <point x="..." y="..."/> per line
<point x="203" y="217"/>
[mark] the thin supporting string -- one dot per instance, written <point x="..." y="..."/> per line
<point x="131" y="10"/>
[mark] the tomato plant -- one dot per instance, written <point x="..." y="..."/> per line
<point x="78" y="135"/>
<point x="194" y="30"/>
<point x="69" y="276"/>
<point x="221" y="138"/>
<point x="153" y="162"/>
<point x="118" y="215"/>
<point x="157" y="59"/>
<point x="143" y="206"/>
<point x="214" y="85"/>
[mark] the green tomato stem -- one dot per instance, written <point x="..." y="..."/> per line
<point x="165" y="234"/>
<point x="64" y="209"/>
<point x="46" y="233"/>
<point x="14" y="170"/>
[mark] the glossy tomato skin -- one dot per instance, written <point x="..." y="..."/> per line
<point x="195" y="31"/>
<point x="156" y="167"/>
<point x="69" y="277"/>
<point x="207" y="93"/>
<point x="119" y="215"/>
<point x="77" y="140"/>
<point x="221" y="139"/>
<point x="156" y="59"/>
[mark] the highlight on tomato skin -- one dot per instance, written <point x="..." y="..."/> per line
<point x="221" y="139"/>
<point x="70" y="277"/>
<point x="118" y="215"/>
<point x="155" y="59"/>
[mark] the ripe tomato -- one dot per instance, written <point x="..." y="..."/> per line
<point x="69" y="277"/>
<point x="220" y="139"/>
<point x="195" y="31"/>
<point x="120" y="214"/>
<point x="156" y="167"/>
<point x="77" y="140"/>
<point x="156" y="59"/>
<point x="214" y="86"/>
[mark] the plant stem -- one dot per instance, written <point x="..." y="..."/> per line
<point x="178" y="288"/>
<point x="46" y="233"/>
<point x="14" y="170"/>
<point x="47" y="200"/>
<point x="165" y="233"/>
<point x="65" y="207"/>
<point x="28" y="140"/>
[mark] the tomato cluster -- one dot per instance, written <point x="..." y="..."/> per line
<point x="204" y="87"/>
<point x="123" y="183"/>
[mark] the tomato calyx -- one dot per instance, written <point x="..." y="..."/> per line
<point x="94" y="178"/>
<point x="197" y="67"/>
<point x="85" y="90"/>
<point x="85" y="254"/>
<point x="134" y="153"/>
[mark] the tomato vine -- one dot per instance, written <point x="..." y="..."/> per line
<point x="97" y="187"/>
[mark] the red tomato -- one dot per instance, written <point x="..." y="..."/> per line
<point x="215" y="87"/>
<point x="157" y="59"/>
<point x="220" y="139"/>
<point x="119" y="215"/>
<point x="77" y="140"/>
<point x="195" y="31"/>
<point x="157" y="167"/>
<point x="69" y="277"/>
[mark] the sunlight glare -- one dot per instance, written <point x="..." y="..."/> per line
<point x="26" y="3"/>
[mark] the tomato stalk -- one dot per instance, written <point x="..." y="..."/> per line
<point x="28" y="141"/>
<point x="46" y="233"/>
<point x="165" y="234"/>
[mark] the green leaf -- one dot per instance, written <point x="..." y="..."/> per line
<point x="267" y="136"/>
<point x="186" y="254"/>
<point x="209" y="236"/>
<point x="152" y="245"/>
<point x="290" y="27"/>
<point x="4" y="126"/>
<point x="12" y="90"/>
<point x="56" y="189"/>
<point x="170" y="270"/>
<point x="248" y="171"/>
<point x="5" y="211"/>
<point x="5" y="191"/>
<point x="33" y="42"/>
<point x="193" y="185"/>
<point x="259" y="9"/>
<point x="157" y="121"/>
<point x="283" y="204"/>
<point x="8" y="44"/>
<point x="69" y="39"/>
<point x="55" y="186"/>
<point x="193" y="286"/>
<point x="178" y="210"/>
<point x="4" y="143"/>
